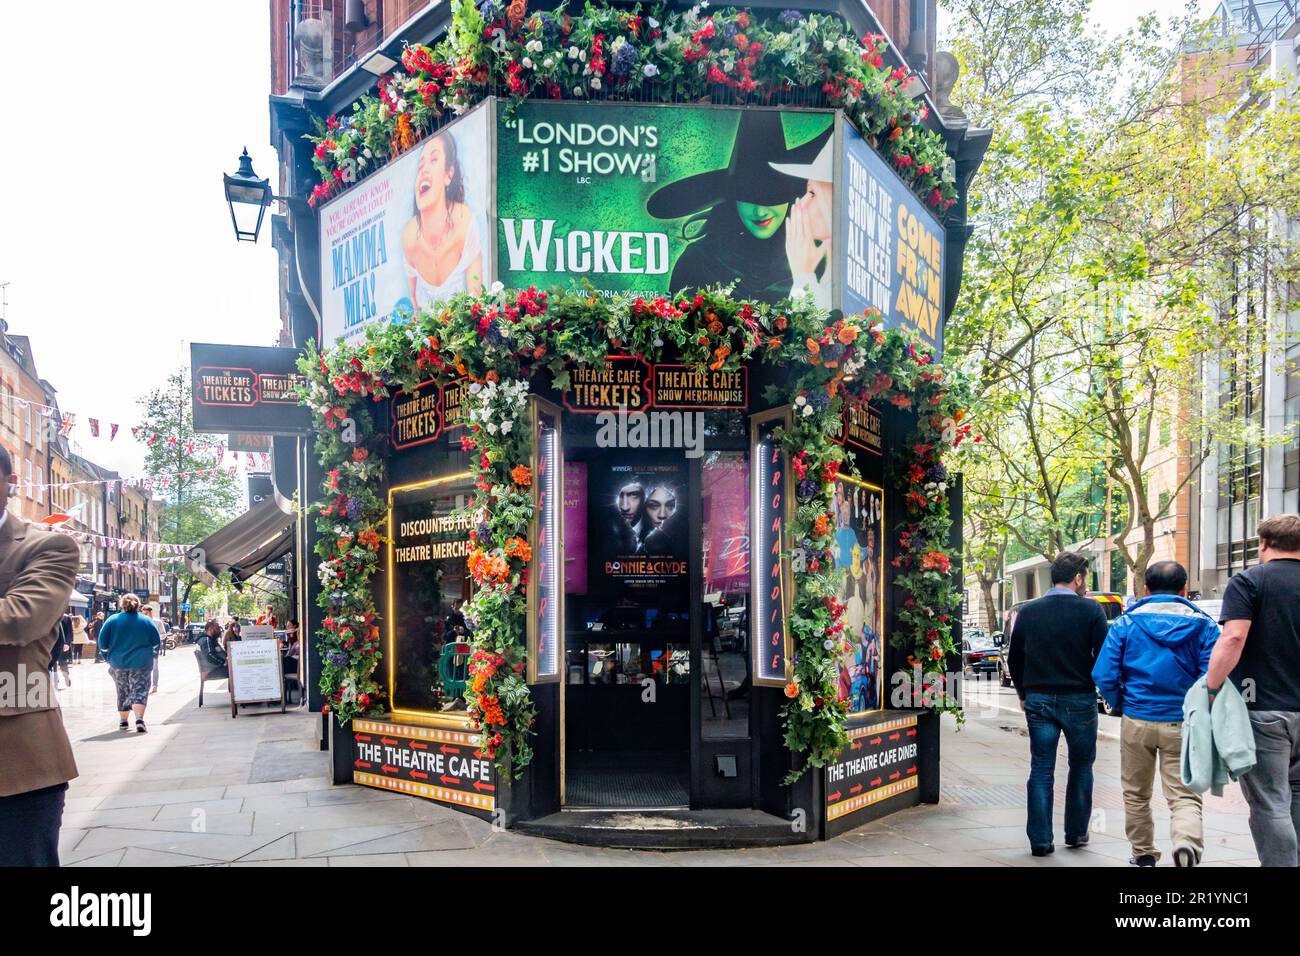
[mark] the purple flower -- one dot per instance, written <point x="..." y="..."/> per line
<point x="624" y="62"/>
<point x="937" y="472"/>
<point x="336" y="599"/>
<point x="808" y="489"/>
<point x="729" y="32"/>
<point x="818" y="398"/>
<point x="791" y="17"/>
<point x="550" y="27"/>
<point x="354" y="508"/>
<point x="490" y="10"/>
<point x="831" y="353"/>
<point x="338" y="658"/>
<point x="482" y="531"/>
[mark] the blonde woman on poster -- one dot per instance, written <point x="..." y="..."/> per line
<point x="441" y="243"/>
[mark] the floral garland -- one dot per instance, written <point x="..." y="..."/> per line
<point x="499" y="340"/>
<point x="613" y="53"/>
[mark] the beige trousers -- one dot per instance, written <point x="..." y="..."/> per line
<point x="1143" y="744"/>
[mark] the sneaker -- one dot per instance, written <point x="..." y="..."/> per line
<point x="139" y="727"/>
<point x="1076" y="843"/>
<point x="1146" y="859"/>
<point x="1184" y="856"/>
<point x="123" y="725"/>
<point x="1042" y="850"/>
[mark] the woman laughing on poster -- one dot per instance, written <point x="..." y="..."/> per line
<point x="808" y="227"/>
<point x="441" y="242"/>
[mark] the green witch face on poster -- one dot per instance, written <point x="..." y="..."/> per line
<point x="652" y="200"/>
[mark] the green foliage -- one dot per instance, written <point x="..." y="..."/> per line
<point x="623" y="53"/>
<point x="500" y="340"/>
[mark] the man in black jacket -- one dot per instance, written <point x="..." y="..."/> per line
<point x="1054" y="642"/>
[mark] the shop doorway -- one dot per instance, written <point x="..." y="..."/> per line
<point x="657" y="647"/>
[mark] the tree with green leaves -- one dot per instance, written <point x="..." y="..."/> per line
<point x="196" y="504"/>
<point x="1130" y="183"/>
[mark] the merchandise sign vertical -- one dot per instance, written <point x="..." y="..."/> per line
<point x="545" y="582"/>
<point x="771" y="587"/>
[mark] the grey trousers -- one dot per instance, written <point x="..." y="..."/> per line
<point x="1272" y="788"/>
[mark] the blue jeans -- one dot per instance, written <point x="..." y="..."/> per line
<point x="1049" y="716"/>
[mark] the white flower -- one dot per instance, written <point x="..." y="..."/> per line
<point x="595" y="82"/>
<point x="367" y="153"/>
<point x="496" y="287"/>
<point x="801" y="400"/>
<point x="659" y="343"/>
<point x="728" y="67"/>
<point x="475" y="388"/>
<point x="506" y="426"/>
<point x="654" y="24"/>
<point x="577" y="91"/>
<point x="573" y="53"/>
<point x="401" y="106"/>
<point x="827" y="45"/>
<point x="582" y="55"/>
<point x="527" y="63"/>
<point x="534" y="46"/>
<point x="828" y="644"/>
<point x="843" y="44"/>
<point x="807" y="410"/>
<point x="548" y="62"/>
<point x="650" y="71"/>
<point x="491" y="427"/>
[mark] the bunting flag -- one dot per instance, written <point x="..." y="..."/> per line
<point x="94" y="427"/>
<point x="113" y="431"/>
<point x="66" y="426"/>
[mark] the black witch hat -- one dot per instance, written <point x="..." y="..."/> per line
<point x="748" y="177"/>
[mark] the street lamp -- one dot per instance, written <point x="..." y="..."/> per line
<point x="248" y="198"/>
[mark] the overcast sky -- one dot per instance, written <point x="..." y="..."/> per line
<point x="115" y="238"/>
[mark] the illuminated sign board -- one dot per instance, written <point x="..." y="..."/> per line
<point x="771" y="585"/>
<point x="545" y="572"/>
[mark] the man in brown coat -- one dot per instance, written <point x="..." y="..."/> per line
<point x="37" y="571"/>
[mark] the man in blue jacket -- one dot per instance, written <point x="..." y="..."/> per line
<point x="1152" y="656"/>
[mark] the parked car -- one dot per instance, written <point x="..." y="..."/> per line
<point x="1111" y="603"/>
<point x="979" y="653"/>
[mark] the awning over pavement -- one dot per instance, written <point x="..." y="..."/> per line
<point x="77" y="599"/>
<point x="249" y="543"/>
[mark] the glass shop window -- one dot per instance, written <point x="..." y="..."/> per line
<point x="429" y="584"/>
<point x="725" y="660"/>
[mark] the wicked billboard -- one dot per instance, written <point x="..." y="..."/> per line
<point x="653" y="199"/>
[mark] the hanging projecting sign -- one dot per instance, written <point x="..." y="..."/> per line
<point x="891" y="250"/>
<point x="246" y="388"/>
<point x="416" y="417"/>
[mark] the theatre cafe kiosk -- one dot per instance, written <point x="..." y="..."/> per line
<point x="633" y="433"/>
